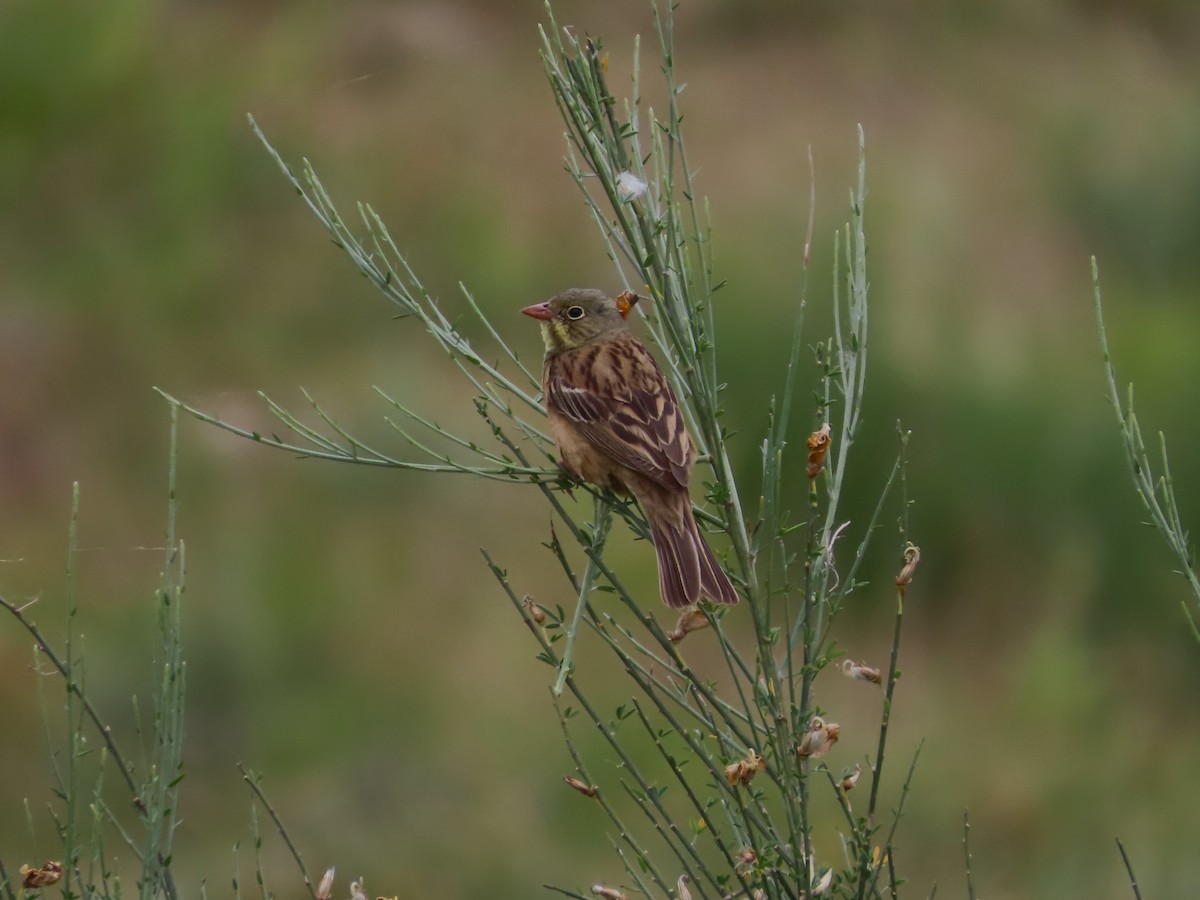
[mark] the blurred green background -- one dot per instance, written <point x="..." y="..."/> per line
<point x="343" y="633"/>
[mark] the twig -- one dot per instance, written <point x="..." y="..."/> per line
<point x="644" y="857"/>
<point x="566" y="893"/>
<point x="967" y="854"/>
<point x="252" y="780"/>
<point x="601" y="521"/>
<point x="893" y="664"/>
<point x="1165" y="513"/>
<point x="1129" y="869"/>
<point x="105" y="732"/>
<point x="6" y="882"/>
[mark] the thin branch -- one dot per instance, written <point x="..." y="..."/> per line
<point x="601" y="522"/>
<point x="967" y="855"/>
<point x="105" y="732"/>
<point x="1133" y="883"/>
<point x="1166" y="520"/>
<point x="253" y="780"/>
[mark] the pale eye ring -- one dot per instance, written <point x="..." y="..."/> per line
<point x="574" y="313"/>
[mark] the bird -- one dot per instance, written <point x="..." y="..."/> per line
<point x="617" y="424"/>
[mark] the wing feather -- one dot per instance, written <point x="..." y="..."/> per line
<point x="621" y="403"/>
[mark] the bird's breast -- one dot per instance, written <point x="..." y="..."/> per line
<point x="580" y="458"/>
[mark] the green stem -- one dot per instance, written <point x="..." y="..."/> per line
<point x="601" y="521"/>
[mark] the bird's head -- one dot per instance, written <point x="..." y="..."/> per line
<point x="579" y="316"/>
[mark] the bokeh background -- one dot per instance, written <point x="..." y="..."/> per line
<point x="343" y="633"/>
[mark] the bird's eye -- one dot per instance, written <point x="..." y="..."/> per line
<point x="575" y="312"/>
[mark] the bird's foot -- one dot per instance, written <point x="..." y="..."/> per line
<point x="568" y="480"/>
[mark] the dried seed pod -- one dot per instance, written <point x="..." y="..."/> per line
<point x="357" y="890"/>
<point x="818" y="444"/>
<point x="325" y="888"/>
<point x="747" y="857"/>
<point x="50" y="873"/>
<point x="851" y="781"/>
<point x="745" y="769"/>
<point x="912" y="556"/>
<point x="820" y="737"/>
<point x="626" y="300"/>
<point x="535" y="612"/>
<point x="861" y="671"/>
<point x="588" y="790"/>
<point x="823" y="885"/>
<point x="681" y="889"/>
<point x="607" y="893"/>
<point x="691" y="619"/>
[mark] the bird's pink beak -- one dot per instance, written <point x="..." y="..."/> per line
<point x="539" y="311"/>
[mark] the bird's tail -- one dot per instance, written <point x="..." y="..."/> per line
<point x="687" y="568"/>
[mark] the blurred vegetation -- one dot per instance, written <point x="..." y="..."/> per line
<point x="343" y="639"/>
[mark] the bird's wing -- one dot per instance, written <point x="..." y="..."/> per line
<point x="616" y="396"/>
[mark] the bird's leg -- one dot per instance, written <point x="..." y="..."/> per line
<point x="568" y="478"/>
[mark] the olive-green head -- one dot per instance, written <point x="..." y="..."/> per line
<point x="579" y="316"/>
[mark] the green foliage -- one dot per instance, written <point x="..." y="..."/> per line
<point x="696" y="740"/>
<point x="144" y="245"/>
<point x="1157" y="492"/>
<point x="86" y="814"/>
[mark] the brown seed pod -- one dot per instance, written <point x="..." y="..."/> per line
<point x="745" y="769"/>
<point x="747" y="857"/>
<point x="588" y="790"/>
<point x="819" y="739"/>
<point x="535" y="612"/>
<point x="50" y="873"/>
<point x="626" y="300"/>
<point x="851" y="780"/>
<point x="861" y="671"/>
<point x="912" y="556"/>
<point x="818" y="444"/>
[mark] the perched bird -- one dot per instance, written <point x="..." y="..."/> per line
<point x="617" y="425"/>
